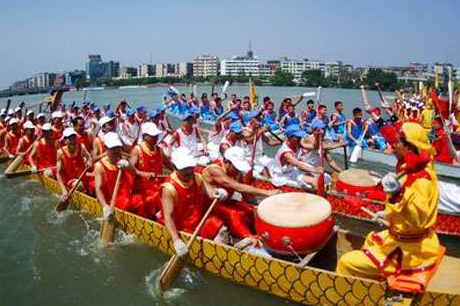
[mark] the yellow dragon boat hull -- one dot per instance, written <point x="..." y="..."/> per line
<point x="306" y="285"/>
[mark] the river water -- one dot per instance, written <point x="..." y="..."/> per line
<point x="50" y="259"/>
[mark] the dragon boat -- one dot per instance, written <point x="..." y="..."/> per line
<point x="310" y="282"/>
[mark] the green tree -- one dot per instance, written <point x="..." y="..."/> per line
<point x="313" y="78"/>
<point x="388" y="80"/>
<point x="282" y="78"/>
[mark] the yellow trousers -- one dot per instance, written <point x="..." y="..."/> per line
<point x="356" y="263"/>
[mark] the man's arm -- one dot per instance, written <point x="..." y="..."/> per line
<point x="99" y="181"/>
<point x="59" y="167"/>
<point x="32" y="155"/>
<point x="349" y="132"/>
<point x="226" y="182"/>
<point x="167" y="200"/>
<point x="292" y="160"/>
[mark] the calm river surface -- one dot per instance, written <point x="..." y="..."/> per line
<point x="46" y="259"/>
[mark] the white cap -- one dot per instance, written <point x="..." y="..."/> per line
<point x="17" y="109"/>
<point x="111" y="140"/>
<point x="10" y="112"/>
<point x="29" y="112"/>
<point x="40" y="115"/>
<point x="69" y="132"/>
<point x="12" y="121"/>
<point x="236" y="156"/>
<point x="57" y="114"/>
<point x="104" y="120"/>
<point x="29" y="125"/>
<point x="46" y="127"/>
<point x="3" y="111"/>
<point x="182" y="158"/>
<point x="151" y="129"/>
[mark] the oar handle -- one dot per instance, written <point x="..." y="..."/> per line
<point x="274" y="135"/>
<point x="200" y="225"/>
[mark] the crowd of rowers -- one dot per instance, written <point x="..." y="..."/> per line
<point x="137" y="142"/>
<point x="336" y="127"/>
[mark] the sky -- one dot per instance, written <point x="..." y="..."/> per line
<point x="48" y="35"/>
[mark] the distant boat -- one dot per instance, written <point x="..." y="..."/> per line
<point x="132" y="87"/>
<point x="93" y="88"/>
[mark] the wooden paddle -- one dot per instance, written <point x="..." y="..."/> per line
<point x="321" y="191"/>
<point x="27" y="172"/>
<point x="18" y="160"/>
<point x="63" y="203"/>
<point x="108" y="226"/>
<point x="175" y="264"/>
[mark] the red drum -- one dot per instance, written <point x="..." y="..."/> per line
<point x="294" y="222"/>
<point x="360" y="181"/>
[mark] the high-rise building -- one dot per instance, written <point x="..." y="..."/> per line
<point x="146" y="70"/>
<point x="205" y="65"/>
<point x="127" y="72"/>
<point x="297" y="67"/>
<point x="95" y="68"/>
<point x="41" y="80"/>
<point x="183" y="69"/>
<point x="111" y="69"/>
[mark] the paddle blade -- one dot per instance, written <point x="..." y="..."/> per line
<point x="17" y="174"/>
<point x="17" y="162"/>
<point x="62" y="205"/>
<point x="107" y="231"/>
<point x="355" y="154"/>
<point x="170" y="273"/>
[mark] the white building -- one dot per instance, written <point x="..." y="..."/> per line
<point x="183" y="69"/>
<point x="41" y="80"/>
<point x="297" y="67"/>
<point x="205" y="65"/>
<point x="145" y="70"/>
<point x="240" y="65"/>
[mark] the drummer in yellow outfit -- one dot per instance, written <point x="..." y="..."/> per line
<point x="427" y="116"/>
<point x="410" y="244"/>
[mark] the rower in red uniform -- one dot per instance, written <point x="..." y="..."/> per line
<point x="44" y="151"/>
<point x="107" y="125"/>
<point x="71" y="161"/>
<point x="83" y="137"/>
<point x="228" y="175"/>
<point x="58" y="126"/>
<point x="105" y="176"/>
<point x="148" y="159"/>
<point x="27" y="140"/>
<point x="183" y="201"/>
<point x="12" y="137"/>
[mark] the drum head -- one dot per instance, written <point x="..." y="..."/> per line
<point x="359" y="177"/>
<point x="294" y="209"/>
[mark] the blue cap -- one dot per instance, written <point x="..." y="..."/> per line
<point x="294" y="130"/>
<point x="96" y="109"/>
<point x="153" y="113"/>
<point x="185" y="115"/>
<point x="232" y="115"/>
<point x="317" y="124"/>
<point x="247" y="116"/>
<point x="162" y="109"/>
<point x="110" y="114"/>
<point x="130" y="112"/>
<point x="235" y="127"/>
<point x="107" y="106"/>
<point x="141" y="108"/>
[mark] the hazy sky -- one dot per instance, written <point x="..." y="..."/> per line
<point x="38" y="36"/>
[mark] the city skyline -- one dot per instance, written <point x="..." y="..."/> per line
<point x="47" y="36"/>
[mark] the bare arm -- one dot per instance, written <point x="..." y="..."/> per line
<point x="224" y="181"/>
<point x="349" y="132"/>
<point x="59" y="168"/>
<point x="99" y="181"/>
<point x="298" y="101"/>
<point x="292" y="160"/>
<point x="167" y="200"/>
<point x="333" y="164"/>
<point x="32" y="155"/>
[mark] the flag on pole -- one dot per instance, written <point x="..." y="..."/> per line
<point x="436" y="79"/>
<point x="252" y="94"/>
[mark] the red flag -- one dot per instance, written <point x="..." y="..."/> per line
<point x="442" y="106"/>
